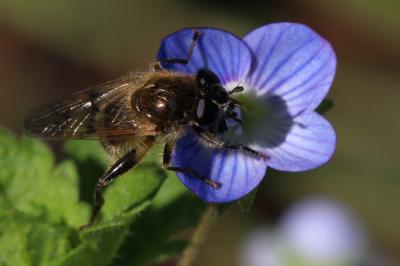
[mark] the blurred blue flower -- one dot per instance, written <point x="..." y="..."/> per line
<point x="286" y="70"/>
<point x="262" y="247"/>
<point x="324" y="232"/>
<point x="313" y="232"/>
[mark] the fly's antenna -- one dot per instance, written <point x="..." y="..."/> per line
<point x="236" y="90"/>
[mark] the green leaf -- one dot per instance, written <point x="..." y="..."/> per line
<point x="128" y="196"/>
<point x="147" y="238"/>
<point x="39" y="203"/>
<point x="132" y="189"/>
<point x="157" y="235"/>
<point x="100" y="244"/>
<point x="42" y="205"/>
<point x="28" y="240"/>
<point x="325" y="106"/>
<point x="31" y="184"/>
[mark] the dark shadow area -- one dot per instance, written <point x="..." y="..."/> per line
<point x="89" y="171"/>
<point x="151" y="232"/>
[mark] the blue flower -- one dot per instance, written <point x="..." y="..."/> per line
<point x="286" y="70"/>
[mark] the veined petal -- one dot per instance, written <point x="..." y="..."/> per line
<point x="215" y="49"/>
<point x="309" y="143"/>
<point x="238" y="172"/>
<point x="293" y="62"/>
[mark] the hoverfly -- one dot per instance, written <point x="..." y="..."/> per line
<point x="129" y="114"/>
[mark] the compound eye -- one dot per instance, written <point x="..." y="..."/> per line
<point x="206" y="79"/>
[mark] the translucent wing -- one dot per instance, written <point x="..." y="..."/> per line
<point x="98" y="113"/>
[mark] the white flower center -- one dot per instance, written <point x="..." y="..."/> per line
<point x="256" y="119"/>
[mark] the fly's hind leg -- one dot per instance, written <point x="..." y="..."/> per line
<point x="120" y="167"/>
<point x="168" y="148"/>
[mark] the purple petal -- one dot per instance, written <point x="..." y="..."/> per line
<point x="294" y="63"/>
<point x="217" y="50"/>
<point x="309" y="143"/>
<point x="238" y="172"/>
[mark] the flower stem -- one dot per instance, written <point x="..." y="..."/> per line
<point x="199" y="236"/>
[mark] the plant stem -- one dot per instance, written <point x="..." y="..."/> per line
<point x="199" y="236"/>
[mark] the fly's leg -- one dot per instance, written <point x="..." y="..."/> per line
<point x="168" y="149"/>
<point x="234" y="116"/>
<point x="213" y="141"/>
<point x="119" y="168"/>
<point x="184" y="61"/>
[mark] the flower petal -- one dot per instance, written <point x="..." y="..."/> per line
<point x="217" y="50"/>
<point x="238" y="172"/>
<point x="294" y="63"/>
<point x="309" y="143"/>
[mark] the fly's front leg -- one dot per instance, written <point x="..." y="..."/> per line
<point x="168" y="149"/>
<point x="211" y="139"/>
<point x="156" y="66"/>
<point x="184" y="61"/>
<point x="119" y="168"/>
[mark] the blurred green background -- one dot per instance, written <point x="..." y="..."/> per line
<point x="49" y="49"/>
